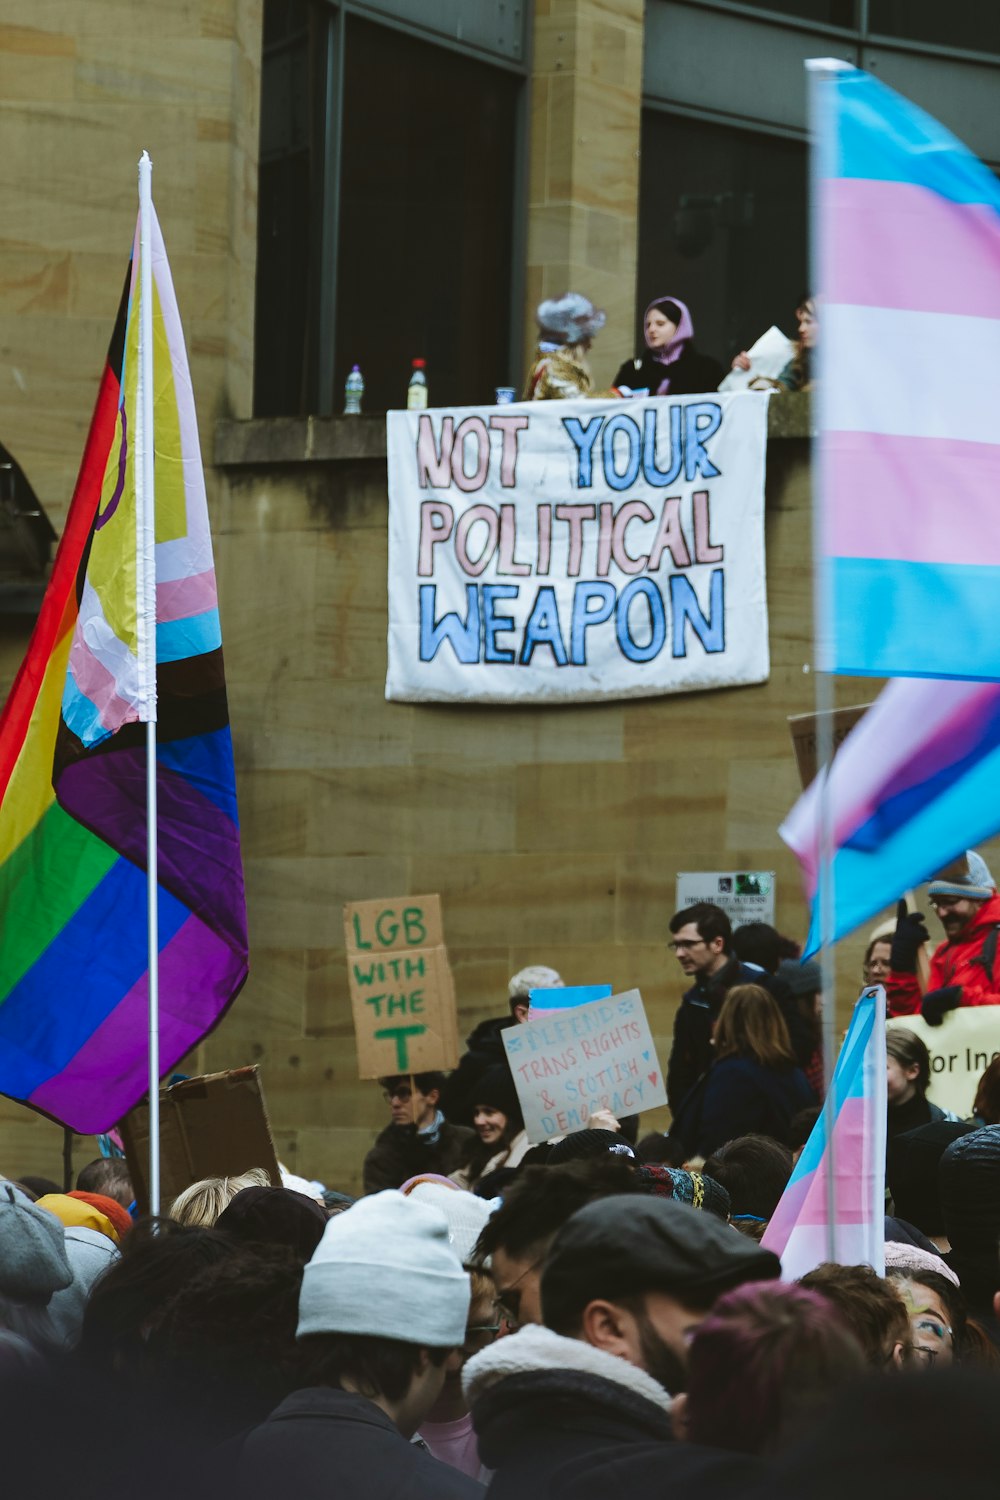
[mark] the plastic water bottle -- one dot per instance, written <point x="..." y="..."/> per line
<point x="354" y="389"/>
<point x="416" y="395"/>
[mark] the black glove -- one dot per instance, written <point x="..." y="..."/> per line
<point x="910" y="935"/>
<point x="937" y="1002"/>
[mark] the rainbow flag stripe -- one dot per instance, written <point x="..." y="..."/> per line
<point x="73" y="948"/>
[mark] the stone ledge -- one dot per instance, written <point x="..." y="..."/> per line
<point x="298" y="440"/>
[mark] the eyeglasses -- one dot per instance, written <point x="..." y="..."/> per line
<point x="508" y="1299"/>
<point x="684" y="947"/>
<point x="945" y="903"/>
<point x="402" y="1094"/>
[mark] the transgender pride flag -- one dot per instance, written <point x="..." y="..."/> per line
<point x="802" y="1230"/>
<point x="907" y="243"/>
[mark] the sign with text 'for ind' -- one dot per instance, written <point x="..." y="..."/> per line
<point x="961" y="1050"/>
<point x="552" y="551"/>
<point x="402" y="993"/>
<point x="574" y="1062"/>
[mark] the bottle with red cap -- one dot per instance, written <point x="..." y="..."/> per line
<point x="416" y="395"/>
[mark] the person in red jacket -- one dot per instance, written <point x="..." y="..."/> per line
<point x="964" y="968"/>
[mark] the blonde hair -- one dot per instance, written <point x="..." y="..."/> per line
<point x="203" y="1202"/>
<point x="750" y="1024"/>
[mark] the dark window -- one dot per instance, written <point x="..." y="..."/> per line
<point x="287" y="204"/>
<point x="976" y="28"/>
<point x="427" y="169"/>
<point x="722" y="225"/>
<point x="425" y="216"/>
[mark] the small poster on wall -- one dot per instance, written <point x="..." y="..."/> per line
<point x="744" y="895"/>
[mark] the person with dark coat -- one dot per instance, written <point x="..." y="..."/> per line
<point x="702" y="939"/>
<point x="911" y="1172"/>
<point x="669" y="365"/>
<point x="753" y="1087"/>
<point x="969" y="1184"/>
<point x="384" y="1301"/>
<point x="625" y="1281"/>
<point x="419" y="1139"/>
<point x="908" y="1076"/>
<point x="485" y="1043"/>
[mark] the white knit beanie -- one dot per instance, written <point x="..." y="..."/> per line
<point x="385" y="1268"/>
<point x="466" y="1214"/>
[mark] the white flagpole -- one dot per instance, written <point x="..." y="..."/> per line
<point x="821" y="71"/>
<point x="146" y="631"/>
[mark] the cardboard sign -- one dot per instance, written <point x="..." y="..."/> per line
<point x="804" y="730"/>
<point x="559" y="551"/>
<point x="744" y="895"/>
<point x="212" y="1126"/>
<point x="402" y="992"/>
<point x="597" y="1056"/>
<point x="961" y="1050"/>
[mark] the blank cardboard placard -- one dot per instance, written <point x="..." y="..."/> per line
<point x="402" y="991"/>
<point x="569" y="1064"/>
<point x="212" y="1126"/>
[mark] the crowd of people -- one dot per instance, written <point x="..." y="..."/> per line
<point x="598" y="1316"/>
<point x="669" y="363"/>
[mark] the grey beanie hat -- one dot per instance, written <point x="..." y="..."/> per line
<point x="384" y="1268"/>
<point x="968" y="876"/>
<point x="33" y="1261"/>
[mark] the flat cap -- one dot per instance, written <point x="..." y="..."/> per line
<point x="618" y="1247"/>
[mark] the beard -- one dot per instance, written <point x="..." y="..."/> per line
<point x="659" y="1359"/>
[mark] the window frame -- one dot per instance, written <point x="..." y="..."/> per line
<point x="324" y="254"/>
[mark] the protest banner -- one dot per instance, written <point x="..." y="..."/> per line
<point x="563" y="551"/>
<point x="597" y="1056"/>
<point x="744" y="895"/>
<point x="402" y="992"/>
<point x="215" y="1125"/>
<point x="961" y="1050"/>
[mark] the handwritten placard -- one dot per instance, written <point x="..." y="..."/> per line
<point x="554" y="551"/>
<point x="597" y="1056"/>
<point x="402" y="992"/>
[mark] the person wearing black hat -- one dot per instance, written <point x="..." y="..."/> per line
<point x="499" y="1124"/>
<point x="275" y="1216"/>
<point x="625" y="1283"/>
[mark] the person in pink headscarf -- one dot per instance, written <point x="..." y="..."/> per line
<point x="670" y="365"/>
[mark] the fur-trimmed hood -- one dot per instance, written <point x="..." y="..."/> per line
<point x="538" y="1399"/>
<point x="534" y="1348"/>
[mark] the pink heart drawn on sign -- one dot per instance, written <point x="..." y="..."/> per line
<point x="652" y="1078"/>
